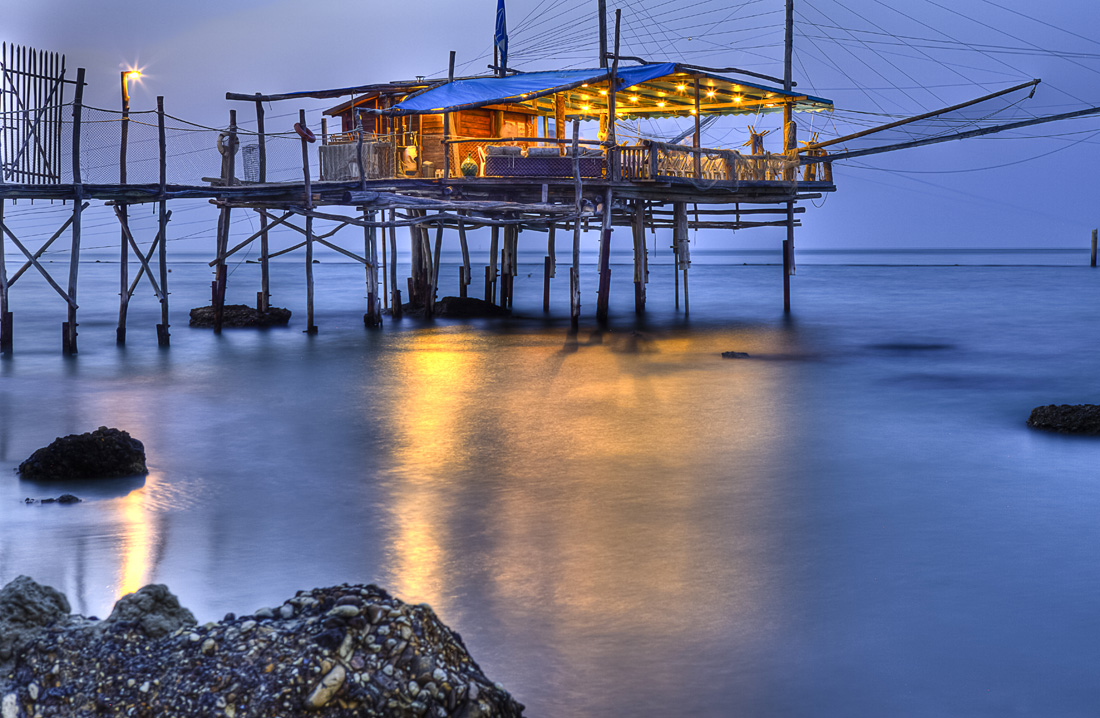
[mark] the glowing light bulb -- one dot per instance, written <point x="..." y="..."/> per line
<point x="710" y="93"/>
<point x="634" y="98"/>
<point x="681" y="88"/>
<point x="737" y="99"/>
<point x="660" y="104"/>
<point x="133" y="74"/>
<point x="603" y="92"/>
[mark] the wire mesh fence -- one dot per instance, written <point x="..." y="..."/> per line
<point x="193" y="153"/>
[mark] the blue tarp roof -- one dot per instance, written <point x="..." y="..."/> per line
<point x="468" y="94"/>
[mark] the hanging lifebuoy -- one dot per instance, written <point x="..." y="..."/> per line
<point x="227" y="148"/>
<point x="304" y="132"/>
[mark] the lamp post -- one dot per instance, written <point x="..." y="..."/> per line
<point x="123" y="272"/>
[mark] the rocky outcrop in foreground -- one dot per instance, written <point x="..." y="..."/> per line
<point x="100" y="454"/>
<point x="344" y="651"/>
<point x="1067" y="418"/>
<point x="240" y="315"/>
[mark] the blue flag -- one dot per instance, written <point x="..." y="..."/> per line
<point x="500" y="36"/>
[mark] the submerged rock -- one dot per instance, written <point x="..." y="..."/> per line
<point x="734" y="355"/>
<point x="101" y="454"/>
<point x="240" y="315"/>
<point x="349" y="650"/>
<point x="1067" y="418"/>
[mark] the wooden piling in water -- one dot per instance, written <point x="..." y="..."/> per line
<point x="494" y="238"/>
<point x="121" y="209"/>
<point x="1092" y="261"/>
<point x="265" y="275"/>
<point x="162" y="222"/>
<point x="637" y="228"/>
<point x="373" y="316"/>
<point x="578" y="199"/>
<point x="68" y="343"/>
<point x="229" y="149"/>
<point x="395" y="303"/>
<point x="5" y="315"/>
<point x="311" y="328"/>
<point x="680" y="248"/>
<point x="602" y="298"/>
<point x="546" y="284"/>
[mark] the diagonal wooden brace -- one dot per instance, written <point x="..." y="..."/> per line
<point x="137" y="251"/>
<point x="34" y="261"/>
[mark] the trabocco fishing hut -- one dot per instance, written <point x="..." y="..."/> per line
<point x="502" y="151"/>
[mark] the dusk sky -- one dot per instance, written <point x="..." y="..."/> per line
<point x="876" y="61"/>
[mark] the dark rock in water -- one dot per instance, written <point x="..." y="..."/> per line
<point x="62" y="499"/>
<point x="1067" y="418"/>
<point x="456" y="308"/>
<point x="379" y="657"/>
<point x="26" y="606"/>
<point x="734" y="355"/>
<point x="468" y="307"/>
<point x="240" y="315"/>
<point x="153" y="609"/>
<point x="102" y="454"/>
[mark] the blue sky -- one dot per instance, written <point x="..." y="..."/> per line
<point x="876" y="59"/>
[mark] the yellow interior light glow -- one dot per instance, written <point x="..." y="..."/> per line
<point x="681" y="88"/>
<point x="586" y="107"/>
<point x="634" y="98"/>
<point x="710" y="93"/>
<point x="660" y="104"/>
<point x="603" y="92"/>
<point x="737" y="99"/>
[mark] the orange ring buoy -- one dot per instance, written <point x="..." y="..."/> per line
<point x="304" y="132"/>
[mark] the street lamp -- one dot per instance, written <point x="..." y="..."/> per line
<point x="124" y="279"/>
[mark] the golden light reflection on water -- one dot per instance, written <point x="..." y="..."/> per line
<point x="137" y="539"/>
<point x="589" y="464"/>
<point x="434" y="392"/>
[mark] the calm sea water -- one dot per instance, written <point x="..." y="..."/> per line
<point x="854" y="521"/>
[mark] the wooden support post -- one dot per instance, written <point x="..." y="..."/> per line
<point x="68" y="343"/>
<point x="434" y="291"/>
<point x="229" y="150"/>
<point x="124" y="261"/>
<point x="680" y="246"/>
<point x="5" y="315"/>
<point x="602" y="9"/>
<point x="637" y="226"/>
<point x="602" y="299"/>
<point x="494" y="238"/>
<point x="396" y="303"/>
<point x="462" y="282"/>
<point x="697" y="138"/>
<point x="265" y="275"/>
<point x="311" y="328"/>
<point x="788" y="255"/>
<point x="370" y="252"/>
<point x="559" y="121"/>
<point x="1092" y="261"/>
<point x="447" y="124"/>
<point x="578" y="199"/>
<point x="488" y="283"/>
<point x="466" y="278"/>
<point x="612" y="92"/>
<point x="162" y="220"/>
<point x="546" y="269"/>
<point x="552" y="251"/>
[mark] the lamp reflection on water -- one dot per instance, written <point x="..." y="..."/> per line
<point x="581" y="481"/>
<point x="137" y="539"/>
